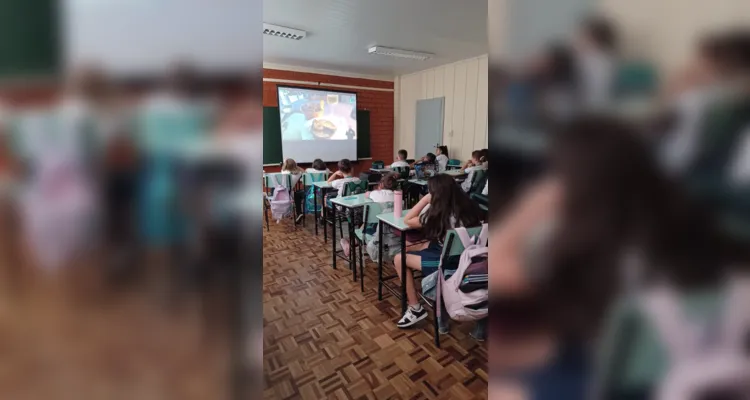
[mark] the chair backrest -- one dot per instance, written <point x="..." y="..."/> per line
<point x="635" y="78"/>
<point x="632" y="356"/>
<point x="482" y="200"/>
<point x="378" y="164"/>
<point x="452" y="244"/>
<point x="277" y="179"/>
<point x="478" y="180"/>
<point x="410" y="160"/>
<point x="311" y="177"/>
<point x="352" y="188"/>
<point x="454" y="163"/>
<point x="403" y="172"/>
<point x="372" y="210"/>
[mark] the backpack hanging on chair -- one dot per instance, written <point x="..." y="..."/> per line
<point x="707" y="359"/>
<point x="281" y="203"/>
<point x="462" y="306"/>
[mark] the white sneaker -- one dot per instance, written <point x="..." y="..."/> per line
<point x="411" y="317"/>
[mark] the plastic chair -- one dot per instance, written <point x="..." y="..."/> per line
<point x="308" y="178"/>
<point x="631" y="356"/>
<point x="451" y="250"/>
<point x="353" y="188"/>
<point x="403" y="172"/>
<point x="481" y="200"/>
<point x="378" y="165"/>
<point x="453" y="164"/>
<point x="370" y="216"/>
<point x="478" y="180"/>
<point x="410" y="160"/>
<point x="270" y="181"/>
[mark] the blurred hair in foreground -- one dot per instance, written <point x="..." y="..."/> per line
<point x="619" y="253"/>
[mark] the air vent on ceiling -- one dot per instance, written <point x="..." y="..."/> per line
<point x="283" y="32"/>
<point x="391" y="52"/>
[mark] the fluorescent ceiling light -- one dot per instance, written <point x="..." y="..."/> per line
<point x="399" y="53"/>
<point x="283" y="32"/>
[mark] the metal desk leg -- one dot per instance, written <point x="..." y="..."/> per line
<point x="333" y="233"/>
<point x="304" y="209"/>
<point x="403" y="273"/>
<point x="352" y="247"/>
<point x="325" y="217"/>
<point x="315" y="207"/>
<point x="380" y="260"/>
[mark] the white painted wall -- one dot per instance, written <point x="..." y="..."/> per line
<point x="464" y="86"/>
<point x="666" y="30"/>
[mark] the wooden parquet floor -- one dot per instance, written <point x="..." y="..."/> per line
<point x="325" y="339"/>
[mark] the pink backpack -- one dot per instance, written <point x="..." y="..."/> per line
<point x="459" y="305"/>
<point x="281" y="202"/>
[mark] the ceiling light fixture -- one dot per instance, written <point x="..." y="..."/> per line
<point x="399" y="53"/>
<point x="283" y="32"/>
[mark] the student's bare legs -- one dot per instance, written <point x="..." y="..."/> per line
<point x="412" y="262"/>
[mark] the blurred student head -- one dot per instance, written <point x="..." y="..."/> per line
<point x="597" y="34"/>
<point x="402" y="155"/>
<point x="88" y="82"/>
<point x="345" y="166"/>
<point x="319" y="165"/>
<point x="183" y="80"/>
<point x="737" y="53"/>
<point x="388" y="181"/>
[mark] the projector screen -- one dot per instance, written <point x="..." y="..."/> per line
<point x="317" y="124"/>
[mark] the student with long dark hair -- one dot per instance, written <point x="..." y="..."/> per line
<point x="561" y="257"/>
<point x="444" y="208"/>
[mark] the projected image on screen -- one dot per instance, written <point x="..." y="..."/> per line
<point x="318" y="124"/>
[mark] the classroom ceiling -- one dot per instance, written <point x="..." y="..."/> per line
<point x="340" y="31"/>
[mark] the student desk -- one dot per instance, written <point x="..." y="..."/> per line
<point x="323" y="187"/>
<point x="380" y="170"/>
<point x="456" y="173"/>
<point x="349" y="203"/>
<point x="398" y="224"/>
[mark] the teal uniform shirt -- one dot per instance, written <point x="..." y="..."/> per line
<point x="165" y="126"/>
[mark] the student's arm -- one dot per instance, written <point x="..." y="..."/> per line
<point x="412" y="217"/>
<point x="334" y="176"/>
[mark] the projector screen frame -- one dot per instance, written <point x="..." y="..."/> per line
<point x="323" y="89"/>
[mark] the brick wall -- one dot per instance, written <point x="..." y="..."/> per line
<point x="379" y="103"/>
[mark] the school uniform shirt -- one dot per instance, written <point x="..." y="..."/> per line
<point x="597" y="72"/>
<point x="315" y="171"/>
<point x="339" y="184"/>
<point x="399" y="163"/>
<point x="382" y="196"/>
<point x="680" y="145"/>
<point x="466" y="185"/>
<point x="442" y="161"/>
<point x="485" y="191"/>
<point x="295" y="177"/>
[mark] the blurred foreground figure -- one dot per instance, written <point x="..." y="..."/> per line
<point x="586" y="254"/>
<point x="169" y="121"/>
<point x="57" y="148"/>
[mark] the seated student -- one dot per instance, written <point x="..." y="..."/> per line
<point x="340" y="178"/>
<point x="428" y="164"/>
<point x="401" y="159"/>
<point x="383" y="194"/>
<point x="442" y="157"/>
<point x="289" y="166"/>
<point x="477" y="162"/>
<point x="317" y="166"/>
<point x="444" y="208"/>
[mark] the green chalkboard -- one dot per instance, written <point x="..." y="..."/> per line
<point x="272" y="135"/>
<point x="29" y="38"/>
